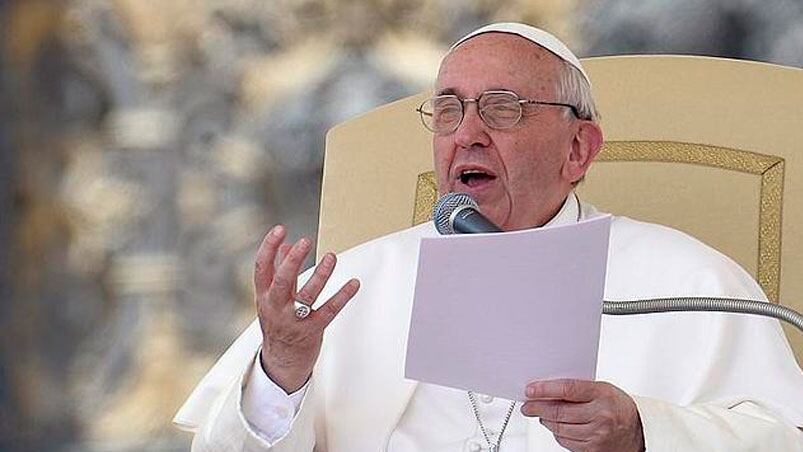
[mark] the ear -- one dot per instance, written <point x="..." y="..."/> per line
<point x="586" y="145"/>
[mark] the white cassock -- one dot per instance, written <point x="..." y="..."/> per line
<point x="701" y="381"/>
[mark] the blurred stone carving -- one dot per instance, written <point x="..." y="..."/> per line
<point x="101" y="209"/>
<point x="142" y="128"/>
<point x="765" y="31"/>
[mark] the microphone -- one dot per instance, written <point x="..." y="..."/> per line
<point x="458" y="213"/>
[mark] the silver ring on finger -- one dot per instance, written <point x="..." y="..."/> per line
<point x="301" y="309"/>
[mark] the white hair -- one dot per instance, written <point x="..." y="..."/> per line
<point x="573" y="89"/>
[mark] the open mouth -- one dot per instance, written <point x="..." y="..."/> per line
<point x="475" y="178"/>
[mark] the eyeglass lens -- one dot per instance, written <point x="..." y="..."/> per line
<point x="443" y="114"/>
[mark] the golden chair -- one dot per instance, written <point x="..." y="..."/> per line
<point x="713" y="147"/>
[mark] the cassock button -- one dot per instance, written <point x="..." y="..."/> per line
<point x="474" y="447"/>
<point x="487" y="399"/>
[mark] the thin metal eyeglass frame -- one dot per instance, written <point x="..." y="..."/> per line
<point x="477" y="100"/>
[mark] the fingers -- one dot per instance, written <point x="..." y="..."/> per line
<point x="571" y="444"/>
<point x="326" y="313"/>
<point x="586" y="415"/>
<point x="276" y="272"/>
<point x="559" y="411"/>
<point x="309" y="293"/>
<point x="264" y="262"/>
<point x="281" y="290"/>
<point x="565" y="389"/>
<point x="284" y="248"/>
<point x="574" y="432"/>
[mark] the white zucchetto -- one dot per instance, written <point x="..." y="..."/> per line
<point x="530" y="33"/>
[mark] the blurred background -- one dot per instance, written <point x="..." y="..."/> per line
<point x="146" y="146"/>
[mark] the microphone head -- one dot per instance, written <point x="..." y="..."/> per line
<point x="442" y="213"/>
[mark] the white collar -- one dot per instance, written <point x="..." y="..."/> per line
<point x="568" y="213"/>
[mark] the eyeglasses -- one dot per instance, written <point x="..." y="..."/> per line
<point x="443" y="114"/>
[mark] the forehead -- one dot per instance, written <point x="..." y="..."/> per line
<point x="498" y="61"/>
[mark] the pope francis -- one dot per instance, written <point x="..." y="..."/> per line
<point x="514" y="125"/>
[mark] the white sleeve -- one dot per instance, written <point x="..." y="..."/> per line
<point x="744" y="427"/>
<point x="268" y="409"/>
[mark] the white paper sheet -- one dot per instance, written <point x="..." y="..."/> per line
<point x="493" y="312"/>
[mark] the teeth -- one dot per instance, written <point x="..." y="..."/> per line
<point x="467" y="175"/>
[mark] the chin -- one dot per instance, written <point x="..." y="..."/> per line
<point x="492" y="215"/>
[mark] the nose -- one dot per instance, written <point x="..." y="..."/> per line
<point x="472" y="131"/>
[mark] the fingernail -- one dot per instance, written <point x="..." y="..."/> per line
<point x="304" y="242"/>
<point x="277" y="230"/>
<point x="530" y="391"/>
<point x="355" y="283"/>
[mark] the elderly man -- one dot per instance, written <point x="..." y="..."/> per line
<point x="514" y="125"/>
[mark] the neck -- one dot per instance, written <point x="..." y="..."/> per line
<point x="563" y="211"/>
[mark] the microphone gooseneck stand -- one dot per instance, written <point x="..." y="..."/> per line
<point x="458" y="213"/>
<point x="686" y="304"/>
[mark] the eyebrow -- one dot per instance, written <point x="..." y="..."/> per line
<point x="452" y="91"/>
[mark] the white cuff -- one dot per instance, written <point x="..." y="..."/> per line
<point x="268" y="409"/>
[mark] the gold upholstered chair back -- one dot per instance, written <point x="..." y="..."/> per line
<point x="713" y="147"/>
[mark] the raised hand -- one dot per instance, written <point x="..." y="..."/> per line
<point x="290" y="345"/>
<point x="586" y="415"/>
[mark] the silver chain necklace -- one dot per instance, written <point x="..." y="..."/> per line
<point x="493" y="447"/>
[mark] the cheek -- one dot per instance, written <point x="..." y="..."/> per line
<point x="519" y="158"/>
<point x="442" y="159"/>
<point x="529" y="166"/>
